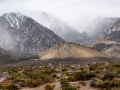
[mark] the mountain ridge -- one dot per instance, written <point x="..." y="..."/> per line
<point x="100" y="26"/>
<point x="61" y="29"/>
<point x="109" y="44"/>
<point x="30" y="37"/>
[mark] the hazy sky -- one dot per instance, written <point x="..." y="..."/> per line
<point x="76" y="13"/>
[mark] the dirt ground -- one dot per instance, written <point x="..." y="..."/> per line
<point x="58" y="86"/>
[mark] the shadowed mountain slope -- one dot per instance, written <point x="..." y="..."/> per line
<point x="23" y="34"/>
<point x="110" y="44"/>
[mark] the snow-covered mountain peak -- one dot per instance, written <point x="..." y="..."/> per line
<point x="24" y="34"/>
<point x="14" y="19"/>
<point x="60" y="28"/>
<point x="15" y="14"/>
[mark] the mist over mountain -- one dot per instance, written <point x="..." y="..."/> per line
<point x="61" y="29"/>
<point x="7" y="57"/>
<point x="21" y="33"/>
<point x="110" y="44"/>
<point x="99" y="27"/>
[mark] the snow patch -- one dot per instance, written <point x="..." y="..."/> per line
<point x="12" y="23"/>
<point x="8" y="20"/>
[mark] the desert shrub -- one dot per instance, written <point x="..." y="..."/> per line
<point x="97" y="71"/>
<point x="92" y="67"/>
<point x="48" y="79"/>
<point x="93" y="83"/>
<point x="19" y="77"/>
<point x="64" y="82"/>
<point x="69" y="88"/>
<point x="49" y="87"/>
<point x="27" y="70"/>
<point x="32" y="83"/>
<point x="115" y="65"/>
<point x="108" y="84"/>
<point x="45" y="78"/>
<point x="40" y="81"/>
<point x="47" y="71"/>
<point x="12" y="87"/>
<point x="5" y="86"/>
<point x="22" y="84"/>
<point x="109" y="76"/>
<point x="71" y="78"/>
<point x="77" y="87"/>
<point x="79" y="75"/>
<point x="115" y="82"/>
<point x="102" y="84"/>
<point x="115" y="89"/>
<point x="41" y="76"/>
<point x="53" y="75"/>
<point x="83" y="75"/>
<point x="0" y="86"/>
<point x="82" y="82"/>
<point x="91" y="75"/>
<point x="64" y="69"/>
<point x="9" y="87"/>
<point x="32" y="74"/>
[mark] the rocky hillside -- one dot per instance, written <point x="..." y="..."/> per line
<point x="72" y="52"/>
<point x="61" y="29"/>
<point x="21" y="33"/>
<point x="6" y="57"/>
<point x="100" y="27"/>
<point x="110" y="44"/>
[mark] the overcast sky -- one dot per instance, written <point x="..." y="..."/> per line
<point x="76" y="13"/>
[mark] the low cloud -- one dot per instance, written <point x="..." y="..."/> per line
<point x="76" y="13"/>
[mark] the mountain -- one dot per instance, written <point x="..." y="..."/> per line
<point x="23" y="34"/>
<point x="109" y="44"/>
<point x="99" y="27"/>
<point x="6" y="57"/>
<point x="23" y="55"/>
<point x="73" y="52"/>
<point x="61" y="29"/>
<point x="115" y="27"/>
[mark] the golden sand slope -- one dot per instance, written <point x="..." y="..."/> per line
<point x="70" y="50"/>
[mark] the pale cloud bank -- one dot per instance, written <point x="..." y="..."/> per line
<point x="76" y="13"/>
